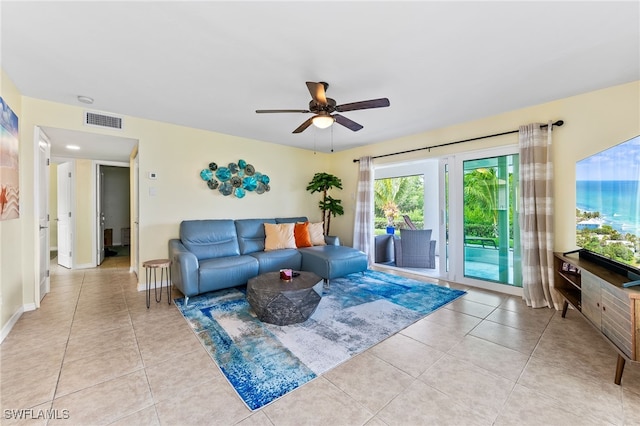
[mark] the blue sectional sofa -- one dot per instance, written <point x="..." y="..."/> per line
<point x="221" y="253"/>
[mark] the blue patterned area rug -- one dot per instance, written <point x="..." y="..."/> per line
<point x="263" y="361"/>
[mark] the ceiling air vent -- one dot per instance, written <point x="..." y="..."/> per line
<point x="102" y="120"/>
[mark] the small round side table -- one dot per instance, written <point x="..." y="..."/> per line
<point x="152" y="266"/>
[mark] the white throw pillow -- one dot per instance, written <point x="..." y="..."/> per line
<point x="279" y="236"/>
<point x="316" y="232"/>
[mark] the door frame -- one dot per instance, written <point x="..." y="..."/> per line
<point x="456" y="219"/>
<point x="95" y="200"/>
<point x="99" y="217"/>
<point x="135" y="210"/>
<point x="38" y="136"/>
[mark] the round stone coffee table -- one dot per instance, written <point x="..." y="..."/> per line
<point x="282" y="303"/>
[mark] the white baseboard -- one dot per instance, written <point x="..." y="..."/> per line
<point x="9" y="325"/>
<point x="84" y="266"/>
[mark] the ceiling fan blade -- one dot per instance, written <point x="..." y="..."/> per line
<point x="303" y="126"/>
<point x="373" y="103"/>
<point x="349" y="124"/>
<point x="317" y="91"/>
<point x="267" y="111"/>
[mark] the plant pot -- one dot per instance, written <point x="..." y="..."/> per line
<point x="391" y="230"/>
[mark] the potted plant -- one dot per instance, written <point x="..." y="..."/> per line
<point x="390" y="210"/>
<point x="323" y="182"/>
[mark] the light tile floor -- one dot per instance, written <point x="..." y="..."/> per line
<point x="94" y="353"/>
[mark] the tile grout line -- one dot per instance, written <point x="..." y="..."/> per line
<point x="66" y="346"/>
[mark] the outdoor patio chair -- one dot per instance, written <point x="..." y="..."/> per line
<point x="384" y="248"/>
<point x="408" y="222"/>
<point x="415" y="249"/>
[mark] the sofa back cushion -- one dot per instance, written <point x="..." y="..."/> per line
<point x="291" y="219"/>
<point x="209" y="239"/>
<point x="251" y="234"/>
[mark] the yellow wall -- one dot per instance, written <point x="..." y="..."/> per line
<point x="593" y="121"/>
<point x="83" y="246"/>
<point x="11" y="239"/>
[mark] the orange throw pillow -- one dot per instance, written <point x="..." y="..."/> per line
<point x="301" y="234"/>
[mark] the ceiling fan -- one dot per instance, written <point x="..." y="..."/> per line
<point x="324" y="109"/>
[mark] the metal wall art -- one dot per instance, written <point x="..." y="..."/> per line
<point x="235" y="179"/>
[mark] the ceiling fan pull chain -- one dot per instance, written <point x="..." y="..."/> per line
<point x="331" y="138"/>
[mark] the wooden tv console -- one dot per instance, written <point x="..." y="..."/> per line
<point x="597" y="293"/>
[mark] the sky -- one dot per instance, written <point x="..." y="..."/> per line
<point x="620" y="162"/>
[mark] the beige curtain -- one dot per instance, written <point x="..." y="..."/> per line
<point x="536" y="216"/>
<point x="363" y="226"/>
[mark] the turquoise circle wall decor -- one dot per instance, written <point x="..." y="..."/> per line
<point x="223" y="174"/>
<point x="206" y="174"/>
<point x="226" y="188"/>
<point x="237" y="179"/>
<point x="249" y="183"/>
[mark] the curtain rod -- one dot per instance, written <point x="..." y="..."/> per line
<point x="557" y="123"/>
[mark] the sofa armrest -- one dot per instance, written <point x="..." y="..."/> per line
<point x="184" y="268"/>
<point x="332" y="240"/>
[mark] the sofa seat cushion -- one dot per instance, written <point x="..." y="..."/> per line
<point x="333" y="261"/>
<point x="271" y="261"/>
<point x="224" y="272"/>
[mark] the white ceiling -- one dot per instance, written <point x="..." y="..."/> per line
<point x="210" y="65"/>
<point x="94" y="146"/>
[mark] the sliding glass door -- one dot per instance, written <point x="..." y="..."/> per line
<point x="490" y="233"/>
<point x="479" y="217"/>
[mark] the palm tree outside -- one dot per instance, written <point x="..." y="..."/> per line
<point x="398" y="196"/>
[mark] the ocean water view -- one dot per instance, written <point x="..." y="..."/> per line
<point x="616" y="200"/>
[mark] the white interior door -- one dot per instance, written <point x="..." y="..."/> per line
<point x="44" y="154"/>
<point x="100" y="212"/>
<point x="65" y="221"/>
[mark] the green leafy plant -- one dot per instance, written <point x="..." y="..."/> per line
<point x="324" y="182"/>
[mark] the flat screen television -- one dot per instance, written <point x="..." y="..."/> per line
<point x="608" y="207"/>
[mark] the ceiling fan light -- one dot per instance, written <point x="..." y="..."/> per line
<point x="322" y="121"/>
